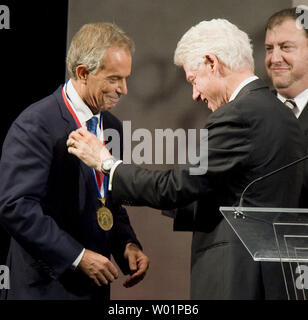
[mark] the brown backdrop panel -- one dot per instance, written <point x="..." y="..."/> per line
<point x="159" y="97"/>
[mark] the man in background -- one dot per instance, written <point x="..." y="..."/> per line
<point x="286" y="62"/>
<point x="50" y="203"/>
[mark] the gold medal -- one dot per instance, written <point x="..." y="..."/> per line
<point x="104" y="217"/>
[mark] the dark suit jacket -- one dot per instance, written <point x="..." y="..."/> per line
<point x="247" y="138"/>
<point x="303" y="122"/>
<point x="48" y="204"/>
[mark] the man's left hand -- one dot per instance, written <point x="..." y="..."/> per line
<point x="138" y="264"/>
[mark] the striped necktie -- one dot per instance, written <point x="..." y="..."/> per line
<point x="292" y="105"/>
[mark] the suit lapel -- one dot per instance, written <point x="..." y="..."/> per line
<point x="71" y="126"/>
<point x="303" y="120"/>
<point x="253" y="85"/>
<point x="66" y="115"/>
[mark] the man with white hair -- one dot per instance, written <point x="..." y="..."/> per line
<point x="250" y="133"/>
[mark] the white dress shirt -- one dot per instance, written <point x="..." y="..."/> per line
<point x="241" y="86"/>
<point x="81" y="110"/>
<point x="301" y="100"/>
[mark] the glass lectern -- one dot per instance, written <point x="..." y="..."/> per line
<point x="276" y="235"/>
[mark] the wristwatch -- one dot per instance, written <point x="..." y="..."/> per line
<point x="107" y="165"/>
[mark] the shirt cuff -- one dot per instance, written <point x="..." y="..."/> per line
<point x="112" y="172"/>
<point x="76" y="262"/>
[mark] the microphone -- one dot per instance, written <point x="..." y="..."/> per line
<point x="268" y="175"/>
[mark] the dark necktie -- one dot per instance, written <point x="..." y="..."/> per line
<point x="92" y="125"/>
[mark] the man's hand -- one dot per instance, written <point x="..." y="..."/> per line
<point x="98" y="268"/>
<point x="138" y="264"/>
<point x="87" y="147"/>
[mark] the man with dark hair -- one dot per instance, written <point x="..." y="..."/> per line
<point x="58" y="211"/>
<point x="282" y="15"/>
<point x="286" y="62"/>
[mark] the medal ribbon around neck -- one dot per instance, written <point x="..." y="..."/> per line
<point x="104" y="215"/>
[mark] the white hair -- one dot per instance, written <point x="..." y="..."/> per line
<point x="218" y="37"/>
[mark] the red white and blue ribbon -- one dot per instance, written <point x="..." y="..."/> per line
<point x="100" y="179"/>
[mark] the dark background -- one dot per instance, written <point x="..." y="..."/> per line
<point x="32" y="60"/>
